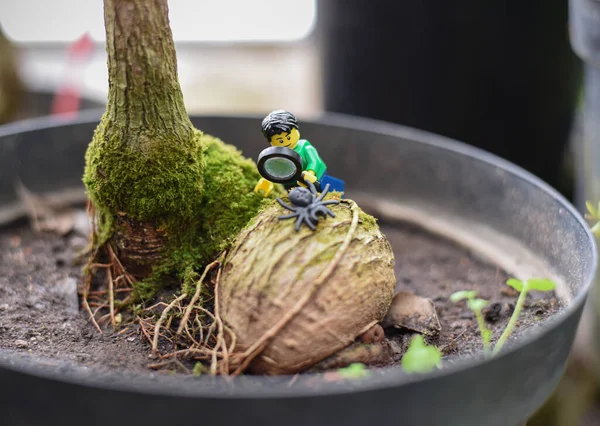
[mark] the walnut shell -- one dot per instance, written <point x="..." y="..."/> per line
<point x="317" y="290"/>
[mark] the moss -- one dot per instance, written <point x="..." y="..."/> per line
<point x="159" y="179"/>
<point x="203" y="199"/>
<point x="367" y="221"/>
<point x="230" y="201"/>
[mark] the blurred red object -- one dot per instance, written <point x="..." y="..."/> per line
<point x="68" y="96"/>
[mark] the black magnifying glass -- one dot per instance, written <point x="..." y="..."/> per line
<point x="279" y="164"/>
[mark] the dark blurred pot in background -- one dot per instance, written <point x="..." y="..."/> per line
<point x="39" y="103"/>
<point x="497" y="75"/>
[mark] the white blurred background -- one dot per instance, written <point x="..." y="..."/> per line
<point x="234" y="56"/>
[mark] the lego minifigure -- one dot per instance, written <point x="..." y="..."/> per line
<point x="281" y="130"/>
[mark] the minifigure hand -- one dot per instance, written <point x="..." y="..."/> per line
<point x="264" y="186"/>
<point x="308" y="176"/>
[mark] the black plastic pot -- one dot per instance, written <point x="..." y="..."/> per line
<point x="474" y="197"/>
<point x="498" y="75"/>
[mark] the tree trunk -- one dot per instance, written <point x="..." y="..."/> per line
<point x="144" y="94"/>
<point x="145" y="165"/>
<point x="167" y="197"/>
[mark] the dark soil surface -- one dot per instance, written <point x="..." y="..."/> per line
<point x="39" y="309"/>
<point x="434" y="267"/>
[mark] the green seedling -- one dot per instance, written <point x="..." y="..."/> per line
<point x="524" y="287"/>
<point x="476" y="305"/>
<point x="199" y="369"/>
<point x="354" y="371"/>
<point x="593" y="215"/>
<point x="420" y="358"/>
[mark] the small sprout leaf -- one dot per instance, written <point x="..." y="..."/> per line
<point x="354" y="371"/>
<point x="596" y="229"/>
<point x="199" y="369"/>
<point x="591" y="209"/>
<point x="477" y="304"/>
<point x="541" y="284"/>
<point x="420" y="358"/>
<point x="515" y="283"/>
<point x="463" y="294"/>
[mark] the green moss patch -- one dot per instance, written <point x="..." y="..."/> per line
<point x="200" y="191"/>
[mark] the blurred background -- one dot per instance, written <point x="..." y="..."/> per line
<point x="498" y="75"/>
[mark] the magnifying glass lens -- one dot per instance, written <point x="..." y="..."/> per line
<point x="280" y="167"/>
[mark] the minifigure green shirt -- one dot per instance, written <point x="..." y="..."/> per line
<point x="310" y="158"/>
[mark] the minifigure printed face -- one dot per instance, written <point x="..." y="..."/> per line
<point x="287" y="139"/>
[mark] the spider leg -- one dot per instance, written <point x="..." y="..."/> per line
<point x="328" y="202"/>
<point x="304" y="218"/>
<point x="298" y="223"/>
<point x="310" y="224"/>
<point x="285" y="206"/>
<point x="322" y="210"/>
<point x="314" y="212"/>
<point x="323" y="193"/>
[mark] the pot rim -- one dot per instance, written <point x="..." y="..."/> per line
<point x="393" y="377"/>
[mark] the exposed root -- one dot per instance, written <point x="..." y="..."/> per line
<point x="104" y="265"/>
<point x="89" y="310"/>
<point x="111" y="297"/>
<point x="162" y="319"/>
<point x="188" y="328"/>
<point x="172" y="361"/>
<point x="221" y="344"/>
<point x="190" y="324"/>
<point x="196" y="296"/>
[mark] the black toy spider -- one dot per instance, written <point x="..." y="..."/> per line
<point x="307" y="205"/>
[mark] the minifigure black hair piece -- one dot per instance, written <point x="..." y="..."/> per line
<point x="307" y="206"/>
<point x="277" y="122"/>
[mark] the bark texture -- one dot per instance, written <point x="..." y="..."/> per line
<point x="144" y="92"/>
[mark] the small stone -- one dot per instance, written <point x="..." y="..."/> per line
<point x="397" y="348"/>
<point x="78" y="243"/>
<point x="21" y="344"/>
<point x="131" y="339"/>
<point x="67" y="288"/>
<point x="82" y="224"/>
<point x="4" y="307"/>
